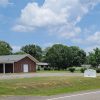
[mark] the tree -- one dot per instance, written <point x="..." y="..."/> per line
<point x="5" y="48"/>
<point x="44" y="52"/>
<point x="97" y="55"/>
<point x="33" y="50"/>
<point x="19" y="52"/>
<point x="87" y="60"/>
<point x="78" y="56"/>
<point x="58" y="56"/>
<point x="94" y="57"/>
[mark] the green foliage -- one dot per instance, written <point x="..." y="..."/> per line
<point x="33" y="50"/>
<point x="46" y="68"/>
<point x="5" y="48"/>
<point x="82" y="70"/>
<point x="78" y="56"/>
<point x="98" y="70"/>
<point x="38" y="69"/>
<point x="94" y="57"/>
<point x="44" y="52"/>
<point x="71" y="69"/>
<point x="18" y="53"/>
<point x="61" y="57"/>
<point x="58" y="56"/>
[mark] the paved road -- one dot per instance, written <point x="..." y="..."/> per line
<point x="94" y="95"/>
<point x="80" y="96"/>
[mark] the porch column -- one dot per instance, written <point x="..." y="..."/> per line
<point x="13" y="67"/>
<point x="4" y="68"/>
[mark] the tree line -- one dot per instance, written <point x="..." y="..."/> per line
<point x="58" y="56"/>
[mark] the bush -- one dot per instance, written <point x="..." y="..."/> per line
<point x="82" y="70"/>
<point x="38" y="69"/>
<point x="46" y="68"/>
<point x="71" y="70"/>
<point x="98" y="70"/>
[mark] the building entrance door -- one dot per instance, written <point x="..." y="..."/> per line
<point x="25" y="68"/>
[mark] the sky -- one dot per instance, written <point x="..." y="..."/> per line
<point x="48" y="22"/>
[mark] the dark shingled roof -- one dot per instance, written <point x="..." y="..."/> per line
<point x="15" y="58"/>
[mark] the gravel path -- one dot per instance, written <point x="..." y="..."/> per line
<point x="22" y="98"/>
<point x="29" y="75"/>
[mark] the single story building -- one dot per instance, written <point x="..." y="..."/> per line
<point x="17" y="63"/>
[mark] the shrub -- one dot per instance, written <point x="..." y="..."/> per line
<point x="98" y="70"/>
<point x="46" y="68"/>
<point x="82" y="70"/>
<point x="38" y="69"/>
<point x="56" y="69"/>
<point x="71" y="70"/>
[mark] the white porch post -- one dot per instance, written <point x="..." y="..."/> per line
<point x="4" y="68"/>
<point x="13" y="67"/>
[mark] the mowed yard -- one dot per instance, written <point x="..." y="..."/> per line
<point x="45" y="86"/>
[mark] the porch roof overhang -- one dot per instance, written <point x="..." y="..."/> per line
<point x="6" y="62"/>
<point x="42" y="64"/>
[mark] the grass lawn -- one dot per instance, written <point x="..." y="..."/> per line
<point x="47" y="85"/>
<point x="52" y="71"/>
<point x="56" y="71"/>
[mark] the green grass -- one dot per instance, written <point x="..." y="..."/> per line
<point x="52" y="71"/>
<point x="44" y="86"/>
<point x="56" y="71"/>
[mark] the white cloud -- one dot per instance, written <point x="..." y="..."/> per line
<point x="22" y="28"/>
<point x="4" y="3"/>
<point x="16" y="48"/>
<point x="70" y="31"/>
<point x="60" y="16"/>
<point x="95" y="38"/>
<point x="91" y="48"/>
<point x="49" y="44"/>
<point x="92" y="39"/>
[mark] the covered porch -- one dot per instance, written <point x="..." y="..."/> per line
<point x="42" y="66"/>
<point x="7" y="67"/>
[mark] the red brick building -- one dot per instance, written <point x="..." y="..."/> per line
<point x="17" y="63"/>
